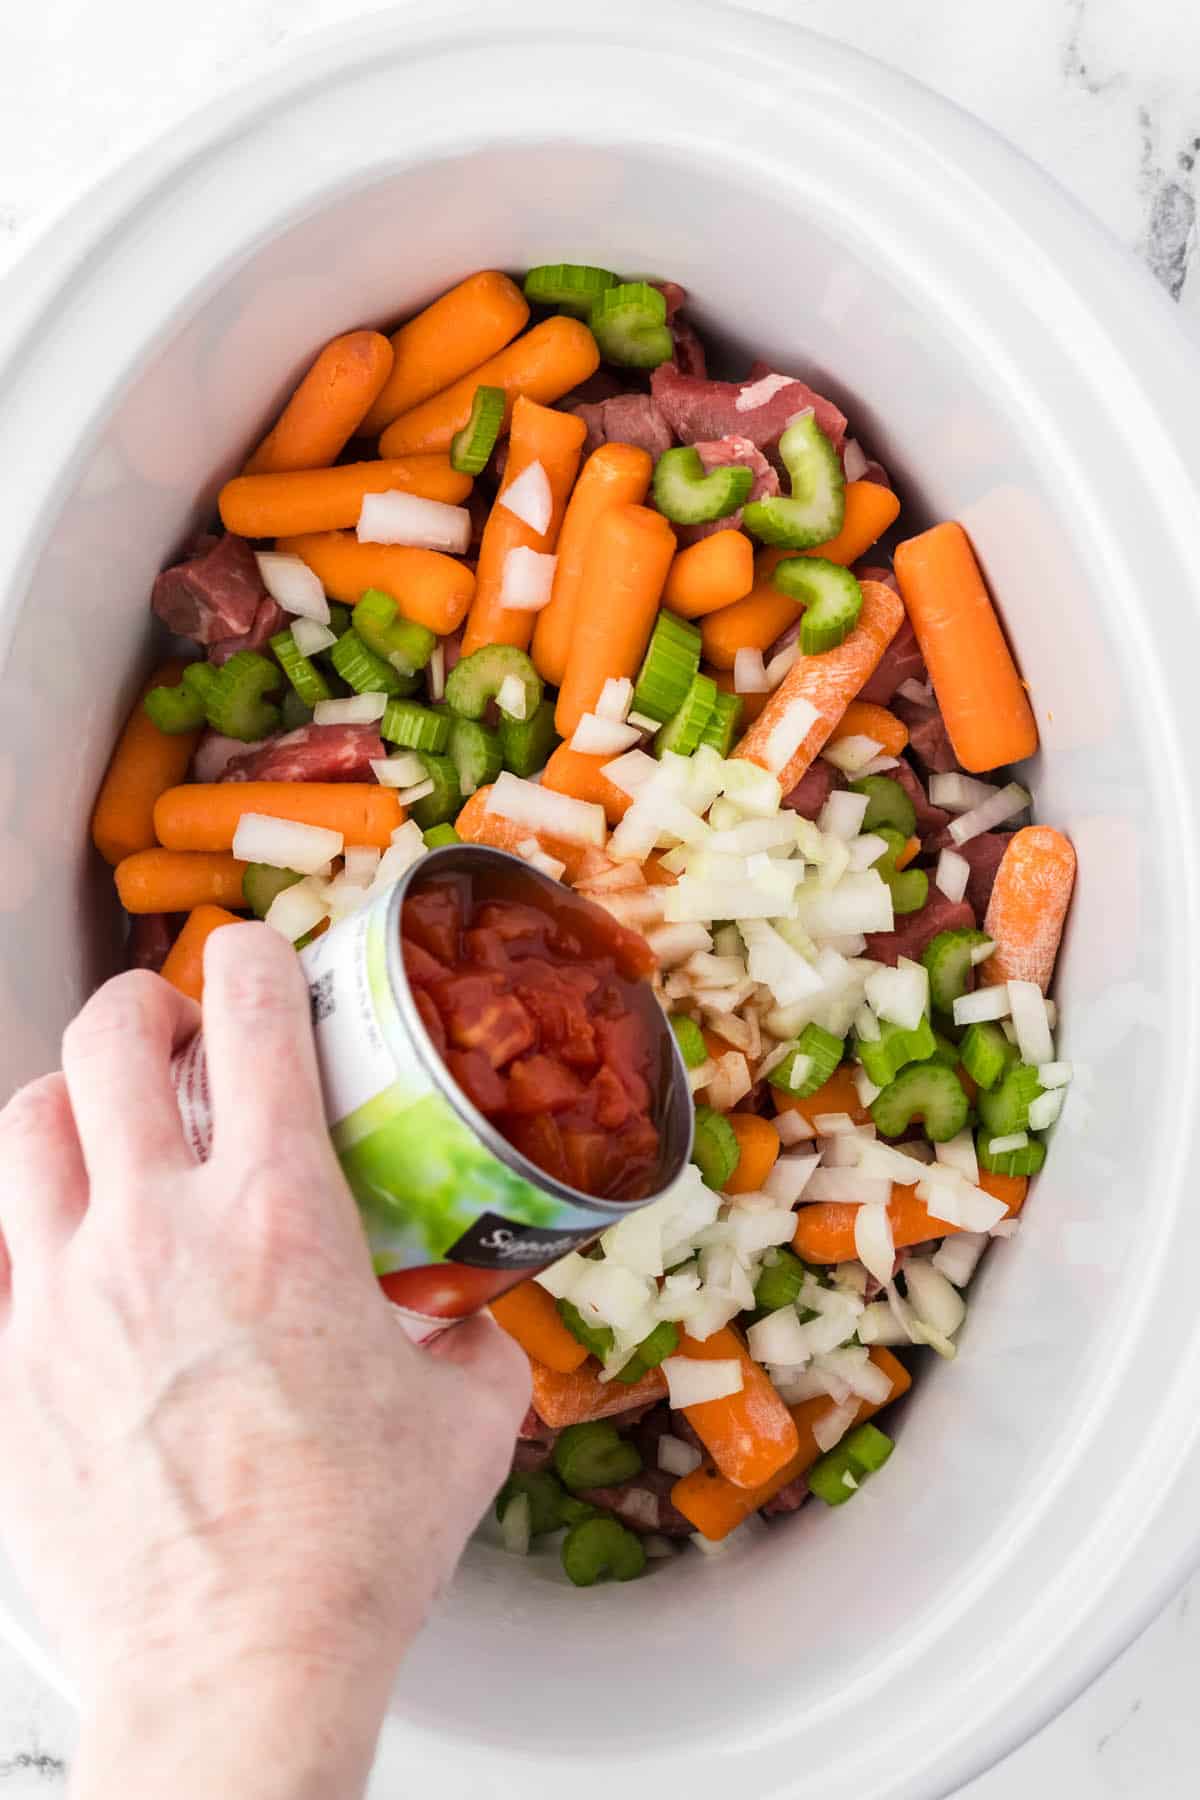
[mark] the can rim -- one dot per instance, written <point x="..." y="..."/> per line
<point x="677" y="1102"/>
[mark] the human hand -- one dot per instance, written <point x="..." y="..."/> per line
<point x="228" y="1478"/>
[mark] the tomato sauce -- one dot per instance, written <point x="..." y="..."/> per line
<point x="545" y="1020"/>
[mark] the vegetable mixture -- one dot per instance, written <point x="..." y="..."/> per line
<point x="523" y="574"/>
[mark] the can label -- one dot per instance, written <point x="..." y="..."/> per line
<point x="449" y="1222"/>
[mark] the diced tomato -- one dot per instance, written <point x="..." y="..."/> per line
<point x="482" y="1085"/>
<point x="539" y="1139"/>
<point x="433" y="918"/>
<point x="623" y="1046"/>
<point x="511" y="920"/>
<point x="610" y="1099"/>
<point x="431" y="1019"/>
<point x="500" y="1027"/>
<point x="486" y="949"/>
<point x="541" y="1084"/>
<point x="421" y="968"/>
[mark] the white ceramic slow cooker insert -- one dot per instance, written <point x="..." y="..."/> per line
<point x="1012" y="369"/>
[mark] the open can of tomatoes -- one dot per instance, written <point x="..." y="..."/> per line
<point x="500" y="1081"/>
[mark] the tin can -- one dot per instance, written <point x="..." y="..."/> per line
<point x="453" y="1213"/>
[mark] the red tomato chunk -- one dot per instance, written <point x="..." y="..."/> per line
<point x="542" y="1023"/>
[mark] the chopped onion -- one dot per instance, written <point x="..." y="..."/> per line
<point x="959" y="793"/>
<point x="356" y="709"/>
<point x="848" y="1186"/>
<point x="296" y="910"/>
<point x="878" y="765"/>
<point x="829" y="1430"/>
<point x="616" y="697"/>
<point x="843" y="813"/>
<point x="631" y="772"/>
<point x="576" y="821"/>
<point x="851" y="754"/>
<point x="647" y="727"/>
<point x="676" y="1457"/>
<point x="1055" y="1074"/>
<point x="283" y="844"/>
<point x="772" y="961"/>
<point x="1010" y="801"/>
<point x="786" y="736"/>
<point x="853" y="1369"/>
<point x="779" y="1338"/>
<point x="959" y="1153"/>
<point x="435" y="672"/>
<point x="984" y="1003"/>
<point x="781" y="663"/>
<point x="399" y="771"/>
<point x="789" y="1178"/>
<point x="407" y="847"/>
<point x="952" y="875"/>
<point x="516" y="1525"/>
<point x="673" y="944"/>
<point x="749" y="673"/>
<point x="836" y="1124"/>
<point x="1045" y="1109"/>
<point x="955" y="1202"/>
<point x="701" y="1075"/>
<point x="292" y="584"/>
<point x="1007" y="1228"/>
<point x="529" y="497"/>
<point x="1012" y="1140"/>
<point x="310" y="637"/>
<point x="865" y="851"/>
<point x="731" y="1083"/>
<point x="935" y="1301"/>
<point x="878" y="1325"/>
<point x="866" y="1025"/>
<point x="885" y="1160"/>
<point x="1030" y="1023"/>
<point x="561" y="1276"/>
<point x="691" y="1381"/>
<point x="957" y="1257"/>
<point x="865" y="1088"/>
<point x="873" y="1240"/>
<point x="396" y="518"/>
<point x="537" y="859"/>
<point x="750" y="836"/>
<point x="595" y="736"/>
<point x="792" y="1127"/>
<point x="608" y="1294"/>
<point x="527" y="579"/>
<point x="854" y="460"/>
<point x="899" y="995"/>
<point x="510" y="697"/>
<point x="919" y="692"/>
<point x="410" y="795"/>
<point x="361" y="863"/>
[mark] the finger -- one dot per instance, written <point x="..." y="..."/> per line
<point x="262" y="1068"/>
<point x="492" y="1358"/>
<point x="116" y="1057"/>
<point x="45" y="1189"/>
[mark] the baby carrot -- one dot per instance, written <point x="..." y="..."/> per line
<point x="862" y="719"/>
<point x="1011" y="1189"/>
<point x="870" y="509"/>
<point x="628" y="558"/>
<point x="545" y="364"/>
<point x="167" y="881"/>
<point x="259" y="506"/>
<point x="571" y="772"/>
<point x="539" y="435"/>
<point x="328" y="406"/>
<point x="710" y="574"/>
<point x="144" y="764"/>
<point x="529" y="1315"/>
<point x="982" y="697"/>
<point x="752" y="623"/>
<point x="825" y="1230"/>
<point x="827" y="683"/>
<point x="205" y="815"/>
<point x="837" y="1095"/>
<point x="476" y="825"/>
<point x="184" y="966"/>
<point x="449" y="338"/>
<point x="758" y="1144"/>
<point x="570" y="1399"/>
<point x="1028" y="907"/>
<point x="750" y="1434"/>
<point x="752" y="704"/>
<point x="716" y="1506"/>
<point x="613" y="475"/>
<point x="428" y="587"/>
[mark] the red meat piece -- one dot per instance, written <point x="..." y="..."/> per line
<point x="213" y="595"/>
<point x="541" y="1083"/>
<point x="313" y="753"/>
<point x="915" y="931"/>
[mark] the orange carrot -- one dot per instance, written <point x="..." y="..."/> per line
<point x="1028" y="907"/>
<point x="716" y="1506"/>
<point x="1010" y="1189"/>
<point x="862" y="719"/>
<point x="752" y="623"/>
<point x="825" y="1230"/>
<point x="545" y="364"/>
<point x="752" y="704"/>
<point x="258" y="506"/>
<point x="449" y="338"/>
<point x="476" y="825"/>
<point x="982" y="697"/>
<point x="571" y="772"/>
<point x="912" y="848"/>
<point x="750" y="1434"/>
<point x="184" y="966"/>
<point x="570" y="1399"/>
<point x="870" y="509"/>
<point x="153" y="881"/>
<point x="837" y="1095"/>
<point x="539" y="435"/>
<point x="328" y="406"/>
<point x="613" y="475"/>
<point x="826" y="683"/>
<point x="529" y="1315"/>
<point x="205" y="815"/>
<point x="144" y="764"/>
<point x="710" y="574"/>
<point x="628" y="558"/>
<point x="428" y="587"/>
<point x="758" y="1147"/>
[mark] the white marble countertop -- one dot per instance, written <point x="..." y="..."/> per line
<point x="1104" y="93"/>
